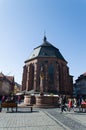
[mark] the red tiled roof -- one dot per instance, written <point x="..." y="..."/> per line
<point x="10" y="78"/>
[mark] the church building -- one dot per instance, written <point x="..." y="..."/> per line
<point x="46" y="70"/>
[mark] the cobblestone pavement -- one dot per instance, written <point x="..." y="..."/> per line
<point x="42" y="119"/>
<point x="73" y="120"/>
<point x="26" y="120"/>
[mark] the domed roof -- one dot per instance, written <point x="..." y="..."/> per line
<point x="46" y="49"/>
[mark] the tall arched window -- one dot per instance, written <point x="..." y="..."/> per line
<point x="51" y="75"/>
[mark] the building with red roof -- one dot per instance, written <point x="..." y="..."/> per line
<point x="6" y="84"/>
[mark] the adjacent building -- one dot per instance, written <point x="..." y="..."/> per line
<point x="6" y="84"/>
<point x="80" y="85"/>
<point x="46" y="70"/>
<point x="17" y="88"/>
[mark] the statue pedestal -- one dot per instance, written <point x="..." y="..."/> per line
<point x="27" y="99"/>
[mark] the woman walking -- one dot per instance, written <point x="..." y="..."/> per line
<point x="70" y="104"/>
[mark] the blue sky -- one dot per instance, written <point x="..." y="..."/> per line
<point x="22" y="26"/>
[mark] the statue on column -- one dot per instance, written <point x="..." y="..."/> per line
<point x="41" y="80"/>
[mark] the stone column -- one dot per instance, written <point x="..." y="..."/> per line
<point x="46" y="78"/>
<point x="42" y="80"/>
<point x="41" y="85"/>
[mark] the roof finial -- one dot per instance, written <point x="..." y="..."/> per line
<point x="45" y="36"/>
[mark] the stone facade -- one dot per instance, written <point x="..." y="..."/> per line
<point x="55" y="72"/>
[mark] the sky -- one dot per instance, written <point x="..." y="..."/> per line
<point x="22" y="27"/>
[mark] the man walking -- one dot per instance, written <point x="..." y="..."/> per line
<point x="63" y="103"/>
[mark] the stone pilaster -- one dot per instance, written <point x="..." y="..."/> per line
<point x="27" y="82"/>
<point x="35" y="76"/>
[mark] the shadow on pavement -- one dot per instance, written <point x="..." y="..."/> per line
<point x="22" y="111"/>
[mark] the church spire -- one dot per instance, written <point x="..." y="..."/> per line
<point x="45" y="39"/>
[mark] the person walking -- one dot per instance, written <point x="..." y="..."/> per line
<point x="19" y="99"/>
<point x="74" y="104"/>
<point x="3" y="98"/>
<point x="63" y="103"/>
<point x="70" y="104"/>
<point x="0" y="103"/>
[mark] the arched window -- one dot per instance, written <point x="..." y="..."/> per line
<point x="51" y="74"/>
